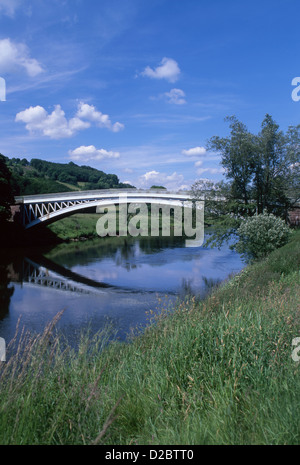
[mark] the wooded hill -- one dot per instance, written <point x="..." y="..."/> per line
<point x="44" y="177"/>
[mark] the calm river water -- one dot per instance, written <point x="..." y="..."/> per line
<point x="106" y="280"/>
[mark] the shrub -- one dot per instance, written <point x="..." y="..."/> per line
<point x="261" y="234"/>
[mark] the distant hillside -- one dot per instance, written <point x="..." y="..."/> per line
<point x="44" y="177"/>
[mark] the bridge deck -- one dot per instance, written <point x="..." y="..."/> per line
<point x="49" y="207"/>
<point x="102" y="193"/>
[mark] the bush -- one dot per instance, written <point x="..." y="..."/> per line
<point x="260" y="235"/>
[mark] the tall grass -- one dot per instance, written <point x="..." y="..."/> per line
<point x="218" y="371"/>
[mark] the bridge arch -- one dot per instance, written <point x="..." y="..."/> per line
<point x="47" y="208"/>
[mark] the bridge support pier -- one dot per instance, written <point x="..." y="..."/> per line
<point x="16" y="214"/>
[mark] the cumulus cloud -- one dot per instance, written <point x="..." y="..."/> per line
<point x="56" y="126"/>
<point x="194" y="152"/>
<point x="171" y="182"/>
<point x="53" y="125"/>
<point x="89" y="112"/>
<point x="14" y="56"/>
<point x="87" y="153"/>
<point x="175" y="96"/>
<point x="168" y="69"/>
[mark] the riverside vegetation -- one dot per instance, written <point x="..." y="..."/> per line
<point x="218" y="371"/>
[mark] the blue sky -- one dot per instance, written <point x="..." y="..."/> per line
<point x="137" y="87"/>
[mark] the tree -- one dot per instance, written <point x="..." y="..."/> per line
<point x="6" y="193"/>
<point x="270" y="167"/>
<point x="262" y="172"/>
<point x="237" y="157"/>
<point x="263" y="169"/>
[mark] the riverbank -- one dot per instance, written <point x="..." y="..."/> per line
<point x="78" y="227"/>
<point x="74" y="228"/>
<point x="218" y="371"/>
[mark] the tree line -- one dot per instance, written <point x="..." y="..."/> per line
<point x="23" y="177"/>
<point x="45" y="177"/>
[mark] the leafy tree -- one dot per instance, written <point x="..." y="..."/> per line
<point x="270" y="167"/>
<point x="6" y="192"/>
<point x="237" y="157"/>
<point x="262" y="169"/>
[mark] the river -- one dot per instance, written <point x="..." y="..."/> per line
<point x="115" y="281"/>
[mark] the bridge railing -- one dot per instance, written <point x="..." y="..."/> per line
<point x="97" y="193"/>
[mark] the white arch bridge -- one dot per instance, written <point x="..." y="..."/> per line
<point x="47" y="208"/>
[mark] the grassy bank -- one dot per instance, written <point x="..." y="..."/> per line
<point x="75" y="227"/>
<point x="83" y="225"/>
<point x="213" y="372"/>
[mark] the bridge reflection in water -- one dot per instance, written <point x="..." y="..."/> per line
<point x="37" y="275"/>
<point x="40" y="271"/>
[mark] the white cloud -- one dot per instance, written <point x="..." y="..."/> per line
<point x="8" y="7"/>
<point x="171" y="182"/>
<point x="168" y="70"/>
<point x="175" y="96"/>
<point x="56" y="126"/>
<point x="198" y="163"/>
<point x="14" y="56"/>
<point x="89" y="112"/>
<point x="194" y="152"/>
<point x="201" y="171"/>
<point x="87" y="153"/>
<point x="76" y="124"/>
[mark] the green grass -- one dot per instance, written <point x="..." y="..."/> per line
<point x="83" y="225"/>
<point x="218" y="371"/>
<point x="70" y="186"/>
<point x="76" y="226"/>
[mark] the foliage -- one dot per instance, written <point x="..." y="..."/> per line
<point x="261" y="234"/>
<point x="43" y="177"/>
<point x="157" y="187"/>
<point x="237" y="157"/>
<point x="262" y="173"/>
<point x="262" y="169"/>
<point x="6" y="193"/>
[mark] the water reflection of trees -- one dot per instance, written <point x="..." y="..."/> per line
<point x="120" y="249"/>
<point x="187" y="289"/>
<point x="6" y="290"/>
<point x="210" y="283"/>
